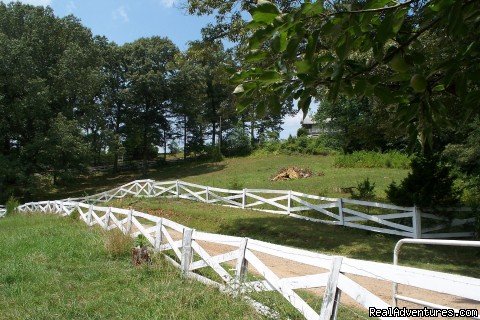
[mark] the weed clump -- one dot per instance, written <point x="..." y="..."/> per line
<point x="117" y="244"/>
<point x="12" y="206"/>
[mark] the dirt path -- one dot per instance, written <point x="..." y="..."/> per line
<point x="382" y="289"/>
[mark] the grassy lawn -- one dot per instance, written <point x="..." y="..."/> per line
<point x="308" y="235"/>
<point x="248" y="172"/>
<point x="58" y="268"/>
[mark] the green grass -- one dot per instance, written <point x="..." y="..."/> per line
<point x="57" y="268"/>
<point x="308" y="235"/>
<point x="249" y="172"/>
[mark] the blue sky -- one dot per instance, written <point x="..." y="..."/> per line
<point x="128" y="20"/>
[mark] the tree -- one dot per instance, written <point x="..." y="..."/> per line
<point x="419" y="56"/>
<point x="64" y="151"/>
<point x="148" y="92"/>
<point x="359" y="124"/>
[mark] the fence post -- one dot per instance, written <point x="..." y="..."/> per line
<point x="178" y="189"/>
<point x="244" y="199"/>
<point x="289" y="203"/>
<point x="90" y="215"/>
<point x="128" y="229"/>
<point x="107" y="218"/>
<point x="49" y="209"/>
<point x="332" y="294"/>
<point x="241" y="267"/>
<point x="417" y="223"/>
<point x="186" y="251"/>
<point x="340" y="211"/>
<point x="207" y="195"/>
<point x="158" y="234"/>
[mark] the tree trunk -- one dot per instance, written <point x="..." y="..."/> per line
<point x="185" y="151"/>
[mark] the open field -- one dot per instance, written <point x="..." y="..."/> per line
<point x="248" y="172"/>
<point x="57" y="268"/>
<point x="308" y="235"/>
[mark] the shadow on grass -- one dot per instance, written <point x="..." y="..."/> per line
<point x="91" y="184"/>
<point x="354" y="243"/>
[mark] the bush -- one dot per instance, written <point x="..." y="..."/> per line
<point x="215" y="154"/>
<point x="117" y="244"/>
<point x="371" y="159"/>
<point x="237" y="143"/>
<point x="301" y="132"/>
<point x="235" y="184"/>
<point x="365" y="190"/>
<point x="299" y="145"/>
<point x="428" y="185"/>
<point x="12" y="206"/>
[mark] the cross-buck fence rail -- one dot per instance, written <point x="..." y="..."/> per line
<point x="192" y="250"/>
<point x="407" y="222"/>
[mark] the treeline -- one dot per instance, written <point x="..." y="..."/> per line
<point x="69" y="99"/>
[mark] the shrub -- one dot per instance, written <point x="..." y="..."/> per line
<point x="301" y="132"/>
<point x="117" y="244"/>
<point x="215" y="154"/>
<point x="299" y="145"/>
<point x="371" y="159"/>
<point x="12" y="205"/>
<point x="365" y="190"/>
<point x="235" y="184"/>
<point x="428" y="185"/>
<point x="237" y="143"/>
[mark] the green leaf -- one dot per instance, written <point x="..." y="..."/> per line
<point x="398" y="63"/>
<point x="438" y="88"/>
<point x="292" y="47"/>
<point x="304" y="66"/>
<point x="265" y="11"/>
<point x="256" y="55"/>
<point x="384" y="94"/>
<point x="279" y="42"/>
<point x="304" y="102"/>
<point x="270" y="76"/>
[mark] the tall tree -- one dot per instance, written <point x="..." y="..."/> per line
<point x="148" y="92"/>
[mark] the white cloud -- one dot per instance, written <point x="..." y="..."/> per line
<point x="168" y="3"/>
<point x="120" y="14"/>
<point x="33" y="2"/>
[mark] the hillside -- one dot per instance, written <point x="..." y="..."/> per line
<point x="246" y="172"/>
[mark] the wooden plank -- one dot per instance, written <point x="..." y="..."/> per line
<point x="377" y="220"/>
<point x="232" y="255"/>
<point x="211" y="262"/>
<point x="158" y="235"/>
<point x="216" y="196"/>
<point x="170" y="241"/>
<point x="186" y="258"/>
<point x="330" y="305"/>
<point x="241" y="266"/>
<point x="262" y="202"/>
<point x="287" y="292"/>
<point x="361" y="295"/>
<point x="319" y="208"/>
<point x="267" y="201"/>
<point x="300" y="282"/>
<point x="142" y="230"/>
<point x="377" y="205"/>
<point x="379" y="230"/>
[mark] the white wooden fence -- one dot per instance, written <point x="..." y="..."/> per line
<point x="373" y="216"/>
<point x="3" y="211"/>
<point x="193" y="251"/>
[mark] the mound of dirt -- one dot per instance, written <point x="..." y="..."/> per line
<point x="292" y="173"/>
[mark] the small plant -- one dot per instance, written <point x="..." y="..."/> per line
<point x="141" y="241"/>
<point x="365" y="190"/>
<point x="235" y="184"/>
<point x="216" y="154"/>
<point x="140" y="254"/>
<point x="12" y="205"/>
<point x="117" y="244"/>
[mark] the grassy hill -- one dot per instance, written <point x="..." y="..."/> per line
<point x="247" y="172"/>
<point x="58" y="268"/>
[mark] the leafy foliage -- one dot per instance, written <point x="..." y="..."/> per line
<point x="370" y="159"/>
<point x="365" y="190"/>
<point x="392" y="52"/>
<point x="237" y="143"/>
<point x="429" y="185"/>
